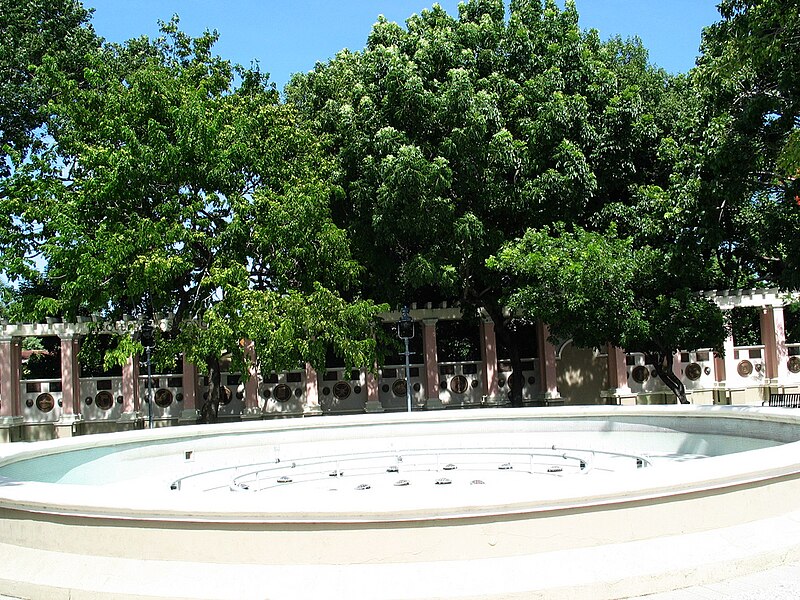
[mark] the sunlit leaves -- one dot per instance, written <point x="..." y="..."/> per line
<point x="172" y="189"/>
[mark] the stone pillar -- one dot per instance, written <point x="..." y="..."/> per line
<point x="130" y="385"/>
<point x="773" y="337"/>
<point x="10" y="410"/>
<point x="70" y="386"/>
<point x="251" y="408"/>
<point x="618" y="391"/>
<point x="130" y="394"/>
<point x="432" y="400"/>
<point x="10" y="364"/>
<point x="490" y="367"/>
<point x="190" y="412"/>
<point x="373" y="397"/>
<point x="312" y="406"/>
<point x="723" y="363"/>
<point x="547" y="364"/>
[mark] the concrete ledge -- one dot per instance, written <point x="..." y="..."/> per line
<point x="611" y="536"/>
<point x="602" y="572"/>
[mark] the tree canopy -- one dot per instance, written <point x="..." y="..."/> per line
<point x="171" y="189"/>
<point x="599" y="289"/>
<point x="748" y="77"/>
<point x="456" y="136"/>
<point x="37" y="35"/>
<point x="503" y="157"/>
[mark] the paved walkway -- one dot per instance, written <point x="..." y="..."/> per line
<point x="779" y="583"/>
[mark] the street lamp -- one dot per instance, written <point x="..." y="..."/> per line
<point x="405" y="331"/>
<point x="148" y="341"/>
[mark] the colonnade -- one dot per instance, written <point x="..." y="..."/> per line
<point x="617" y="387"/>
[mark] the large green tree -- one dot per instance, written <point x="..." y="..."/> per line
<point x="457" y="135"/>
<point x="169" y="188"/>
<point x="37" y="34"/>
<point x="748" y="77"/>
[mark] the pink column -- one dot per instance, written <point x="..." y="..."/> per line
<point x="373" y="397"/>
<point x="489" y="358"/>
<point x="725" y="363"/>
<point x="130" y="385"/>
<point x="312" y="391"/>
<point x="10" y="363"/>
<point x="617" y="370"/>
<point x="773" y="336"/>
<point x="70" y="376"/>
<point x="189" y="384"/>
<point x="189" y="413"/>
<point x="547" y="362"/>
<point x="251" y="385"/>
<point x="432" y="400"/>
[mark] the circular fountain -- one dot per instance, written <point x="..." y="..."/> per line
<point x="597" y="502"/>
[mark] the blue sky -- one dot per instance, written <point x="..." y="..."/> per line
<point x="289" y="36"/>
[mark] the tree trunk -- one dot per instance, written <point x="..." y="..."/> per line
<point x="210" y="409"/>
<point x="662" y="362"/>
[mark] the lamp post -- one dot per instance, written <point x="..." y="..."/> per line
<point x="405" y="331"/>
<point x="148" y="341"/>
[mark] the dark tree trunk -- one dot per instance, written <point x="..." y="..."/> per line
<point x="209" y="412"/>
<point x="662" y="363"/>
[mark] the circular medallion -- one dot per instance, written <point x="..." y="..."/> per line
<point x="104" y="400"/>
<point x="693" y="372"/>
<point x="163" y="397"/>
<point x="45" y="402"/>
<point x="282" y="392"/>
<point x="794" y="364"/>
<point x="640" y="374"/>
<point x="744" y="368"/>
<point x="341" y="390"/>
<point x="458" y="384"/>
<point x="399" y="387"/>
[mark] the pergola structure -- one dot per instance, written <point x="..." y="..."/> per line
<point x="74" y="404"/>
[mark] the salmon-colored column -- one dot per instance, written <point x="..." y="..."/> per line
<point x="70" y="376"/>
<point x="189" y="380"/>
<point x="312" y="392"/>
<point x="251" y="385"/>
<point x="547" y="362"/>
<point x="773" y="337"/>
<point x="617" y="370"/>
<point x="724" y="364"/>
<point x="373" y="397"/>
<point x="489" y="358"/>
<point x="130" y="385"/>
<point x="432" y="400"/>
<point x="189" y="412"/>
<point x="10" y="364"/>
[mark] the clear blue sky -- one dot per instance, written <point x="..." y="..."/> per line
<point x="289" y="36"/>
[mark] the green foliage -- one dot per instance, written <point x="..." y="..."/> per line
<point x="748" y="79"/>
<point x="745" y="326"/>
<point x="457" y="341"/>
<point x="455" y="137"/>
<point x="36" y="33"/>
<point x="598" y="289"/>
<point x="457" y="134"/>
<point x="171" y="189"/>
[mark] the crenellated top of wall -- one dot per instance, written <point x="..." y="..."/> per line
<point x="725" y="299"/>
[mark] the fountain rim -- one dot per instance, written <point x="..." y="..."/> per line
<point x="672" y="482"/>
